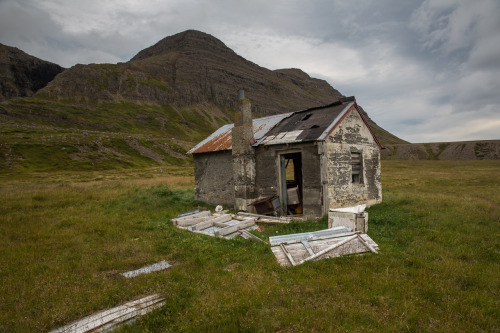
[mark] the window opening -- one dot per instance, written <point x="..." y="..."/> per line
<point x="356" y="167"/>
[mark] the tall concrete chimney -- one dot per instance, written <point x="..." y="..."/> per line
<point x="243" y="155"/>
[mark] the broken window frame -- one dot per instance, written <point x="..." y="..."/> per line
<point x="356" y="167"/>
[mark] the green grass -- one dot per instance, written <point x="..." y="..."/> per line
<point x="126" y="117"/>
<point x="155" y="82"/>
<point x="64" y="236"/>
<point x="77" y="152"/>
<point x="38" y="134"/>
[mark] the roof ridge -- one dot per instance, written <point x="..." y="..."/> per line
<point x="340" y="101"/>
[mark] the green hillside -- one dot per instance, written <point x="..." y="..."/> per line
<point x="46" y="134"/>
<point x="37" y="134"/>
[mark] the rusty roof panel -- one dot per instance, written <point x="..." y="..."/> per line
<point x="222" y="138"/>
<point x="219" y="140"/>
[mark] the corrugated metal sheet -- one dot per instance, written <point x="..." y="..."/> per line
<point x="222" y="138"/>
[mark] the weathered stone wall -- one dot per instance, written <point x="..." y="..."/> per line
<point x="268" y="174"/>
<point x="213" y="173"/>
<point x="352" y="135"/>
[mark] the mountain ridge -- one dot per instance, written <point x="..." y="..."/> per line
<point x="22" y="75"/>
<point x="189" y="68"/>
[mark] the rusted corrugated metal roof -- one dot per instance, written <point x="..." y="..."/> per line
<point x="222" y="138"/>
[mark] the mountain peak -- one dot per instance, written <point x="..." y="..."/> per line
<point x="193" y="67"/>
<point x="22" y="74"/>
<point x="186" y="41"/>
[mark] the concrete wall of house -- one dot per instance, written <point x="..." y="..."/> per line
<point x="352" y="135"/>
<point x="213" y="173"/>
<point x="268" y="174"/>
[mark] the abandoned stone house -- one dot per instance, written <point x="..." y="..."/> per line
<point x="310" y="160"/>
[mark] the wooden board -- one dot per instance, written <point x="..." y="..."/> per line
<point x="266" y="218"/>
<point x="233" y="228"/>
<point x="313" y="235"/>
<point x="299" y="252"/>
<point x="192" y="221"/>
<point x="245" y="234"/>
<point x="218" y="225"/>
<point x="184" y="219"/>
<point x="210" y="222"/>
<point x="148" y="269"/>
<point x="112" y="318"/>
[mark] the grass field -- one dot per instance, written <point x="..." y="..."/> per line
<point x="65" y="236"/>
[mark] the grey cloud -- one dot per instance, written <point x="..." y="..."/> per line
<point x="420" y="68"/>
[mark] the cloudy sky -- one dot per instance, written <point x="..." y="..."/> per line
<point x="426" y="71"/>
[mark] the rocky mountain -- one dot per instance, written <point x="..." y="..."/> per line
<point x="22" y="75"/>
<point x="189" y="68"/>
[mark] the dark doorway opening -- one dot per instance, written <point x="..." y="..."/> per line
<point x="291" y="183"/>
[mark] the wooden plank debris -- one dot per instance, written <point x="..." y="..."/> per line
<point x="218" y="225"/>
<point x="109" y="319"/>
<point x="297" y="249"/>
<point x="329" y="248"/>
<point x="287" y="254"/>
<point x="245" y="234"/>
<point x="184" y="220"/>
<point x="234" y="228"/>
<point x="148" y="269"/>
<point x="307" y="246"/>
<point x="313" y="235"/>
<point x="371" y="248"/>
<point x="209" y="221"/>
<point x="267" y="219"/>
<point x="189" y="213"/>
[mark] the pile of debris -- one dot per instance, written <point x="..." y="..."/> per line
<point x="346" y="234"/>
<point x="295" y="249"/>
<point x="222" y="224"/>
